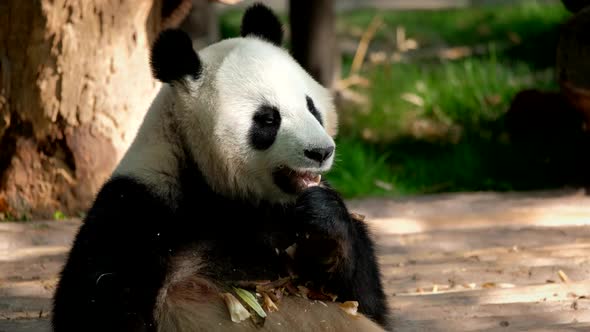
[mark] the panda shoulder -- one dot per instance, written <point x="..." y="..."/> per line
<point x="128" y="199"/>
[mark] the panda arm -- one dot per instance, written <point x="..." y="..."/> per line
<point x="337" y="252"/>
<point x="116" y="264"/>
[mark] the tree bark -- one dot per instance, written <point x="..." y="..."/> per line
<point x="201" y="24"/>
<point x="313" y="41"/>
<point x="75" y="83"/>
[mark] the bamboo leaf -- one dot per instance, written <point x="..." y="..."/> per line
<point x="250" y="300"/>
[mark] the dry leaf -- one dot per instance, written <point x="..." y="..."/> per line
<point x="514" y="37"/>
<point x="237" y="311"/>
<point x="363" y="45"/>
<point x="378" y="57"/>
<point x="505" y="285"/>
<point x="291" y="250"/>
<point x="303" y="291"/>
<point x="321" y="295"/>
<point x="383" y="185"/>
<point x="493" y="100"/>
<point x="350" y="307"/>
<point x="563" y="276"/>
<point x="413" y="98"/>
<point x="268" y="303"/>
<point x="455" y="53"/>
<point x="292" y="289"/>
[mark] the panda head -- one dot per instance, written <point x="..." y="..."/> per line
<point x="256" y="123"/>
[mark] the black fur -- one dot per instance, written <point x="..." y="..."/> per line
<point x="313" y="110"/>
<point x="338" y="252"/>
<point x="173" y="58"/>
<point x="265" y="126"/>
<point x="120" y="255"/>
<point x="260" y="21"/>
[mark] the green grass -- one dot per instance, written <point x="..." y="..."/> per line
<point x="463" y="94"/>
<point x="432" y="125"/>
<point x="415" y="167"/>
<point x="463" y="26"/>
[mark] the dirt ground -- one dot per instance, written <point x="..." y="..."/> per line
<point x="452" y="262"/>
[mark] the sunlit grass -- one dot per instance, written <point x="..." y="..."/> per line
<point x="463" y="26"/>
<point x="465" y="94"/>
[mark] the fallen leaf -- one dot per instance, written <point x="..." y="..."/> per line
<point x="514" y="37"/>
<point x="350" y="307"/>
<point x="493" y="100"/>
<point x="237" y="311"/>
<point x="303" y="291"/>
<point x="505" y="285"/>
<point x="413" y="98"/>
<point x="268" y="303"/>
<point x="563" y="276"/>
<point x="384" y="185"/>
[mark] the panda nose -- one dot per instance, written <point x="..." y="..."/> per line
<point x="319" y="154"/>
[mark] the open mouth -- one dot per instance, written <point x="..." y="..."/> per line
<point x="294" y="182"/>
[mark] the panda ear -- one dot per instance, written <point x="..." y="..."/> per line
<point x="172" y="57"/>
<point x="260" y="21"/>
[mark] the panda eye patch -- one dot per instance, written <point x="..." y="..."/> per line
<point x="314" y="111"/>
<point x="265" y="126"/>
<point x="267" y="116"/>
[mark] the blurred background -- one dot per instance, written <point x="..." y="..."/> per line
<point x="433" y="95"/>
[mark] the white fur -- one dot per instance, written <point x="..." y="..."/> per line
<point x="215" y="114"/>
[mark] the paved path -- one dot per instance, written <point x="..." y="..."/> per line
<point x="457" y="262"/>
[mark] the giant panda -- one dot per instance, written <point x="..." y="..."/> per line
<point x="222" y="178"/>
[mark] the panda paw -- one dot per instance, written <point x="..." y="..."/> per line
<point x="324" y="240"/>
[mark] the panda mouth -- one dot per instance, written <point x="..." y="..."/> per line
<point x="294" y="182"/>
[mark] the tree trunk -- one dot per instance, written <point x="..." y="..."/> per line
<point x="313" y="41"/>
<point x="201" y="24"/>
<point x="75" y="83"/>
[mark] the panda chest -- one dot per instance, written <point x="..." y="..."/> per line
<point x="246" y="255"/>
